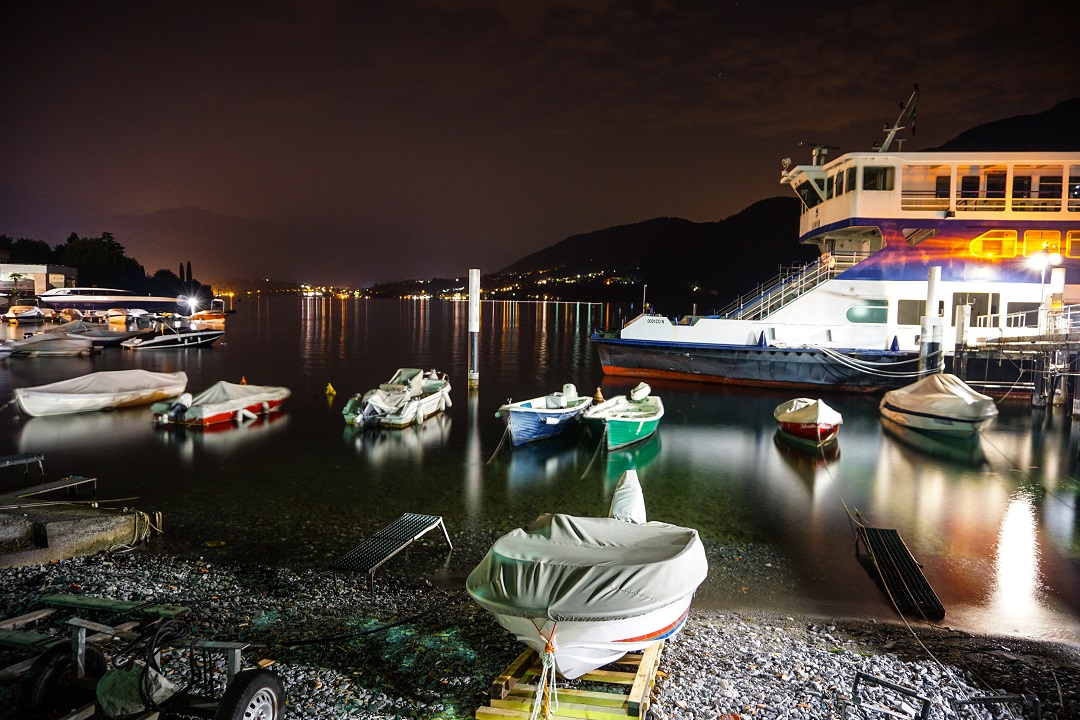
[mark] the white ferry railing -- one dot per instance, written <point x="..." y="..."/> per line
<point x="1058" y="321"/>
<point x="789" y="285"/>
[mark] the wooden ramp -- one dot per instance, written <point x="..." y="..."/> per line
<point x="900" y="574"/>
<point x="618" y="690"/>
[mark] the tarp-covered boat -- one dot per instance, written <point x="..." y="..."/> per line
<point x="807" y="422"/>
<point x="51" y="344"/>
<point x="221" y="402"/>
<point x="100" y="391"/>
<point x="940" y="403"/>
<point x="583" y="591"/>
<point x="543" y="417"/>
<point x="411" y="396"/>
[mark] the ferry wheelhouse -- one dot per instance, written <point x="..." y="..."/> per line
<point x="96" y="301"/>
<point x="947" y="250"/>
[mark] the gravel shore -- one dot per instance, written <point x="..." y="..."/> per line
<point x="723" y="665"/>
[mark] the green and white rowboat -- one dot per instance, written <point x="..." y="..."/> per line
<point x="627" y="420"/>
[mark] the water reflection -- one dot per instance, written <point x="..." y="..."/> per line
<point x="1016" y="591"/>
<point x="542" y="464"/>
<point x="220" y="439"/>
<point x="111" y="431"/>
<point x="385" y="447"/>
<point x="963" y="450"/>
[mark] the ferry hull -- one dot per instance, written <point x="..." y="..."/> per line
<point x="750" y="365"/>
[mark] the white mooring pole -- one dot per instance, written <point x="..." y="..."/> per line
<point x="474" y="328"/>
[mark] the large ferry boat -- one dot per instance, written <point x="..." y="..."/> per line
<point x="95" y="302"/>
<point x="928" y="259"/>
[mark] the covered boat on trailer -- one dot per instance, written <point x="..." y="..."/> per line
<point x="583" y="591"/>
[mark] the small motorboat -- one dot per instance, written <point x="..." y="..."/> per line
<point x="411" y="396"/>
<point x="100" y="391"/>
<point x="583" y="591"/>
<point x="24" y="315"/>
<point x="940" y="403"/>
<point x="221" y="402"/>
<point x="807" y="423"/>
<point x="168" y="336"/>
<point x="543" y="417"/>
<point x="627" y="419"/>
<point x="49" y="344"/>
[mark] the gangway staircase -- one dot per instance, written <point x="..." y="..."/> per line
<point x="788" y="286"/>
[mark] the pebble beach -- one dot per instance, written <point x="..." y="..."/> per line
<point x="409" y="649"/>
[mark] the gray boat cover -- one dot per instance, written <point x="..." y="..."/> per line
<point x="564" y="567"/>
<point x="942" y="395"/>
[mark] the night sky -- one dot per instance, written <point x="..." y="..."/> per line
<point x="358" y="142"/>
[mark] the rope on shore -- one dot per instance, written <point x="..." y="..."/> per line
<point x="452" y="600"/>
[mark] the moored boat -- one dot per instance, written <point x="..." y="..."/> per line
<point x="94" y="302"/>
<point x="48" y="344"/>
<point x="627" y="419"/>
<point x="543" y="417"/>
<point x="221" y="402"/>
<point x="411" y="396"/>
<point x="100" y="391"/>
<point x="584" y="591"/>
<point x="807" y="422"/>
<point x="24" y="315"/>
<point x="940" y="403"/>
<point x="168" y="336"/>
<point x="998" y="228"/>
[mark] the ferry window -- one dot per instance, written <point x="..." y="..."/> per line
<point x="942" y="186"/>
<point x="910" y="312"/>
<point x="995" y="185"/>
<point x="869" y="311"/>
<point x="808" y="193"/>
<point x="849" y="183"/>
<point x="1036" y="240"/>
<point x="1022" y="314"/>
<point x="830" y="187"/>
<point x="994" y="244"/>
<point x="1072" y="244"/>
<point x="877" y="178"/>
<point x="969" y="186"/>
<point x="840" y="183"/>
<point x="1074" y="189"/>
<point x="984" y="308"/>
<point x="1021" y="186"/>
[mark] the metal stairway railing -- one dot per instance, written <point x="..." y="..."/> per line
<point x="789" y="285"/>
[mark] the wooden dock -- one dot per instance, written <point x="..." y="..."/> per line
<point x="618" y="690"/>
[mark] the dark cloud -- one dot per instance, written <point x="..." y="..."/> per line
<point x="428" y="137"/>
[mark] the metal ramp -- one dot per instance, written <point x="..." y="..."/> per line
<point x="25" y="460"/>
<point x="900" y="575"/>
<point x="388" y="542"/>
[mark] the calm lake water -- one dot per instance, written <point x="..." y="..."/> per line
<point x="995" y="525"/>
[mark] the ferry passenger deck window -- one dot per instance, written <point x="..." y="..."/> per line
<point x="942" y="186"/>
<point x="1072" y="244"/>
<point x="984" y="308"/>
<point x="849" y="182"/>
<point x="910" y="312"/>
<point x="869" y="311"/>
<point x="878" y="178"/>
<point x="1074" y="189"/>
<point x="1021" y="186"/>
<point x="969" y="186"/>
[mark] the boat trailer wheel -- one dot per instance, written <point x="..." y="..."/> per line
<point x="50" y="689"/>
<point x="252" y="695"/>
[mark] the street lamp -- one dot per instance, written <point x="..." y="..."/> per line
<point x="643" y="289"/>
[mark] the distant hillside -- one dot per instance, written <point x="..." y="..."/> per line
<point x="685" y="262"/>
<point x="1054" y="129"/>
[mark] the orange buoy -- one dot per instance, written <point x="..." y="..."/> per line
<point x="243" y="380"/>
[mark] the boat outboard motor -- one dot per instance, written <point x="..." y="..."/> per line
<point x="176" y="412"/>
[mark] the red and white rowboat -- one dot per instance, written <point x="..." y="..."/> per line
<point x="808" y="422"/>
